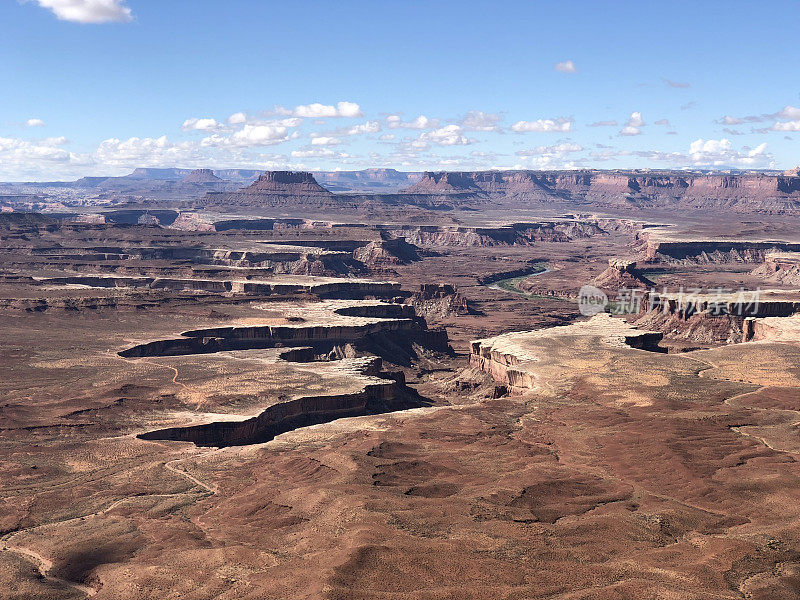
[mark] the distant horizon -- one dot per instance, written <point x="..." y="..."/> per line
<point x="721" y="171"/>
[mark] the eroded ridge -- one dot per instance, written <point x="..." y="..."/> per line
<point x="338" y="338"/>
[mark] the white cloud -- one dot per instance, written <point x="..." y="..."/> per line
<point x="566" y="66"/>
<point x="318" y="153"/>
<point x="17" y="151"/>
<point x="558" y="149"/>
<point x="787" y="126"/>
<point x="421" y="122"/>
<point x="603" y="124"/>
<point x="635" y="120"/>
<point x="720" y="153"/>
<point x="34" y="123"/>
<point x="368" y="127"/>
<point x="205" y="124"/>
<point x="325" y="141"/>
<point x="89" y="11"/>
<point x="541" y="125"/>
<point x="662" y="122"/>
<point x="238" y="118"/>
<point x="449" y="135"/>
<point x="789" y="112"/>
<point x="252" y="135"/>
<point x="632" y="127"/>
<point x="792" y="114"/>
<point x="386" y="137"/>
<point x="477" y="120"/>
<point x="146" y="152"/>
<point x="729" y="120"/>
<point x="322" y="111"/>
<point x="702" y="153"/>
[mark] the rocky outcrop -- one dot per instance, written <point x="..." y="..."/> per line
<point x="524" y="233"/>
<point x="274" y="188"/>
<point x="382" y="392"/>
<point x="622" y="274"/>
<point x="438" y="301"/>
<point x="518" y="360"/>
<point x="383" y="255"/>
<point x="298" y="183"/>
<point x="780" y="267"/>
<point x="337" y="323"/>
<point x="714" y="251"/>
<point x="445" y="183"/>
<point x="202" y="176"/>
<point x="712" y="318"/>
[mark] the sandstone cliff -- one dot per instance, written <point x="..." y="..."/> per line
<point x="741" y="192"/>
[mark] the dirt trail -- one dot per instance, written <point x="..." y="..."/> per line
<point x="45" y="565"/>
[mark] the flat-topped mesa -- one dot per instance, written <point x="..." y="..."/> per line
<point x="202" y="176"/>
<point x="445" y="182"/>
<point x="300" y="183"/>
<point x="737" y="191"/>
<point x="521" y="360"/>
<point x="275" y="188"/>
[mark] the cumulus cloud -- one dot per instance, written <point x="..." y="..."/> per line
<point x="633" y="126"/>
<point x="543" y="125"/>
<point x="323" y="111"/>
<point x="252" y="135"/>
<point x="238" y="118"/>
<point x="34" y="123"/>
<point x="421" y="122"/>
<point x="17" y="151"/>
<point x="386" y="137"/>
<point x="558" y="149"/>
<point x="787" y="126"/>
<point x="477" y="120"/>
<point x="791" y="113"/>
<point x="566" y="66"/>
<point x="720" y="153"/>
<point x="361" y="128"/>
<point x="145" y="152"/>
<point x="89" y="11"/>
<point x="702" y="153"/>
<point x="635" y="120"/>
<point x="449" y="135"/>
<point x="325" y="141"/>
<point x="318" y="153"/>
<point x="206" y="124"/>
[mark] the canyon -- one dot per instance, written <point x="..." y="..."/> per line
<point x="232" y="384"/>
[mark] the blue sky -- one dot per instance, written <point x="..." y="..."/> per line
<point x="103" y="86"/>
